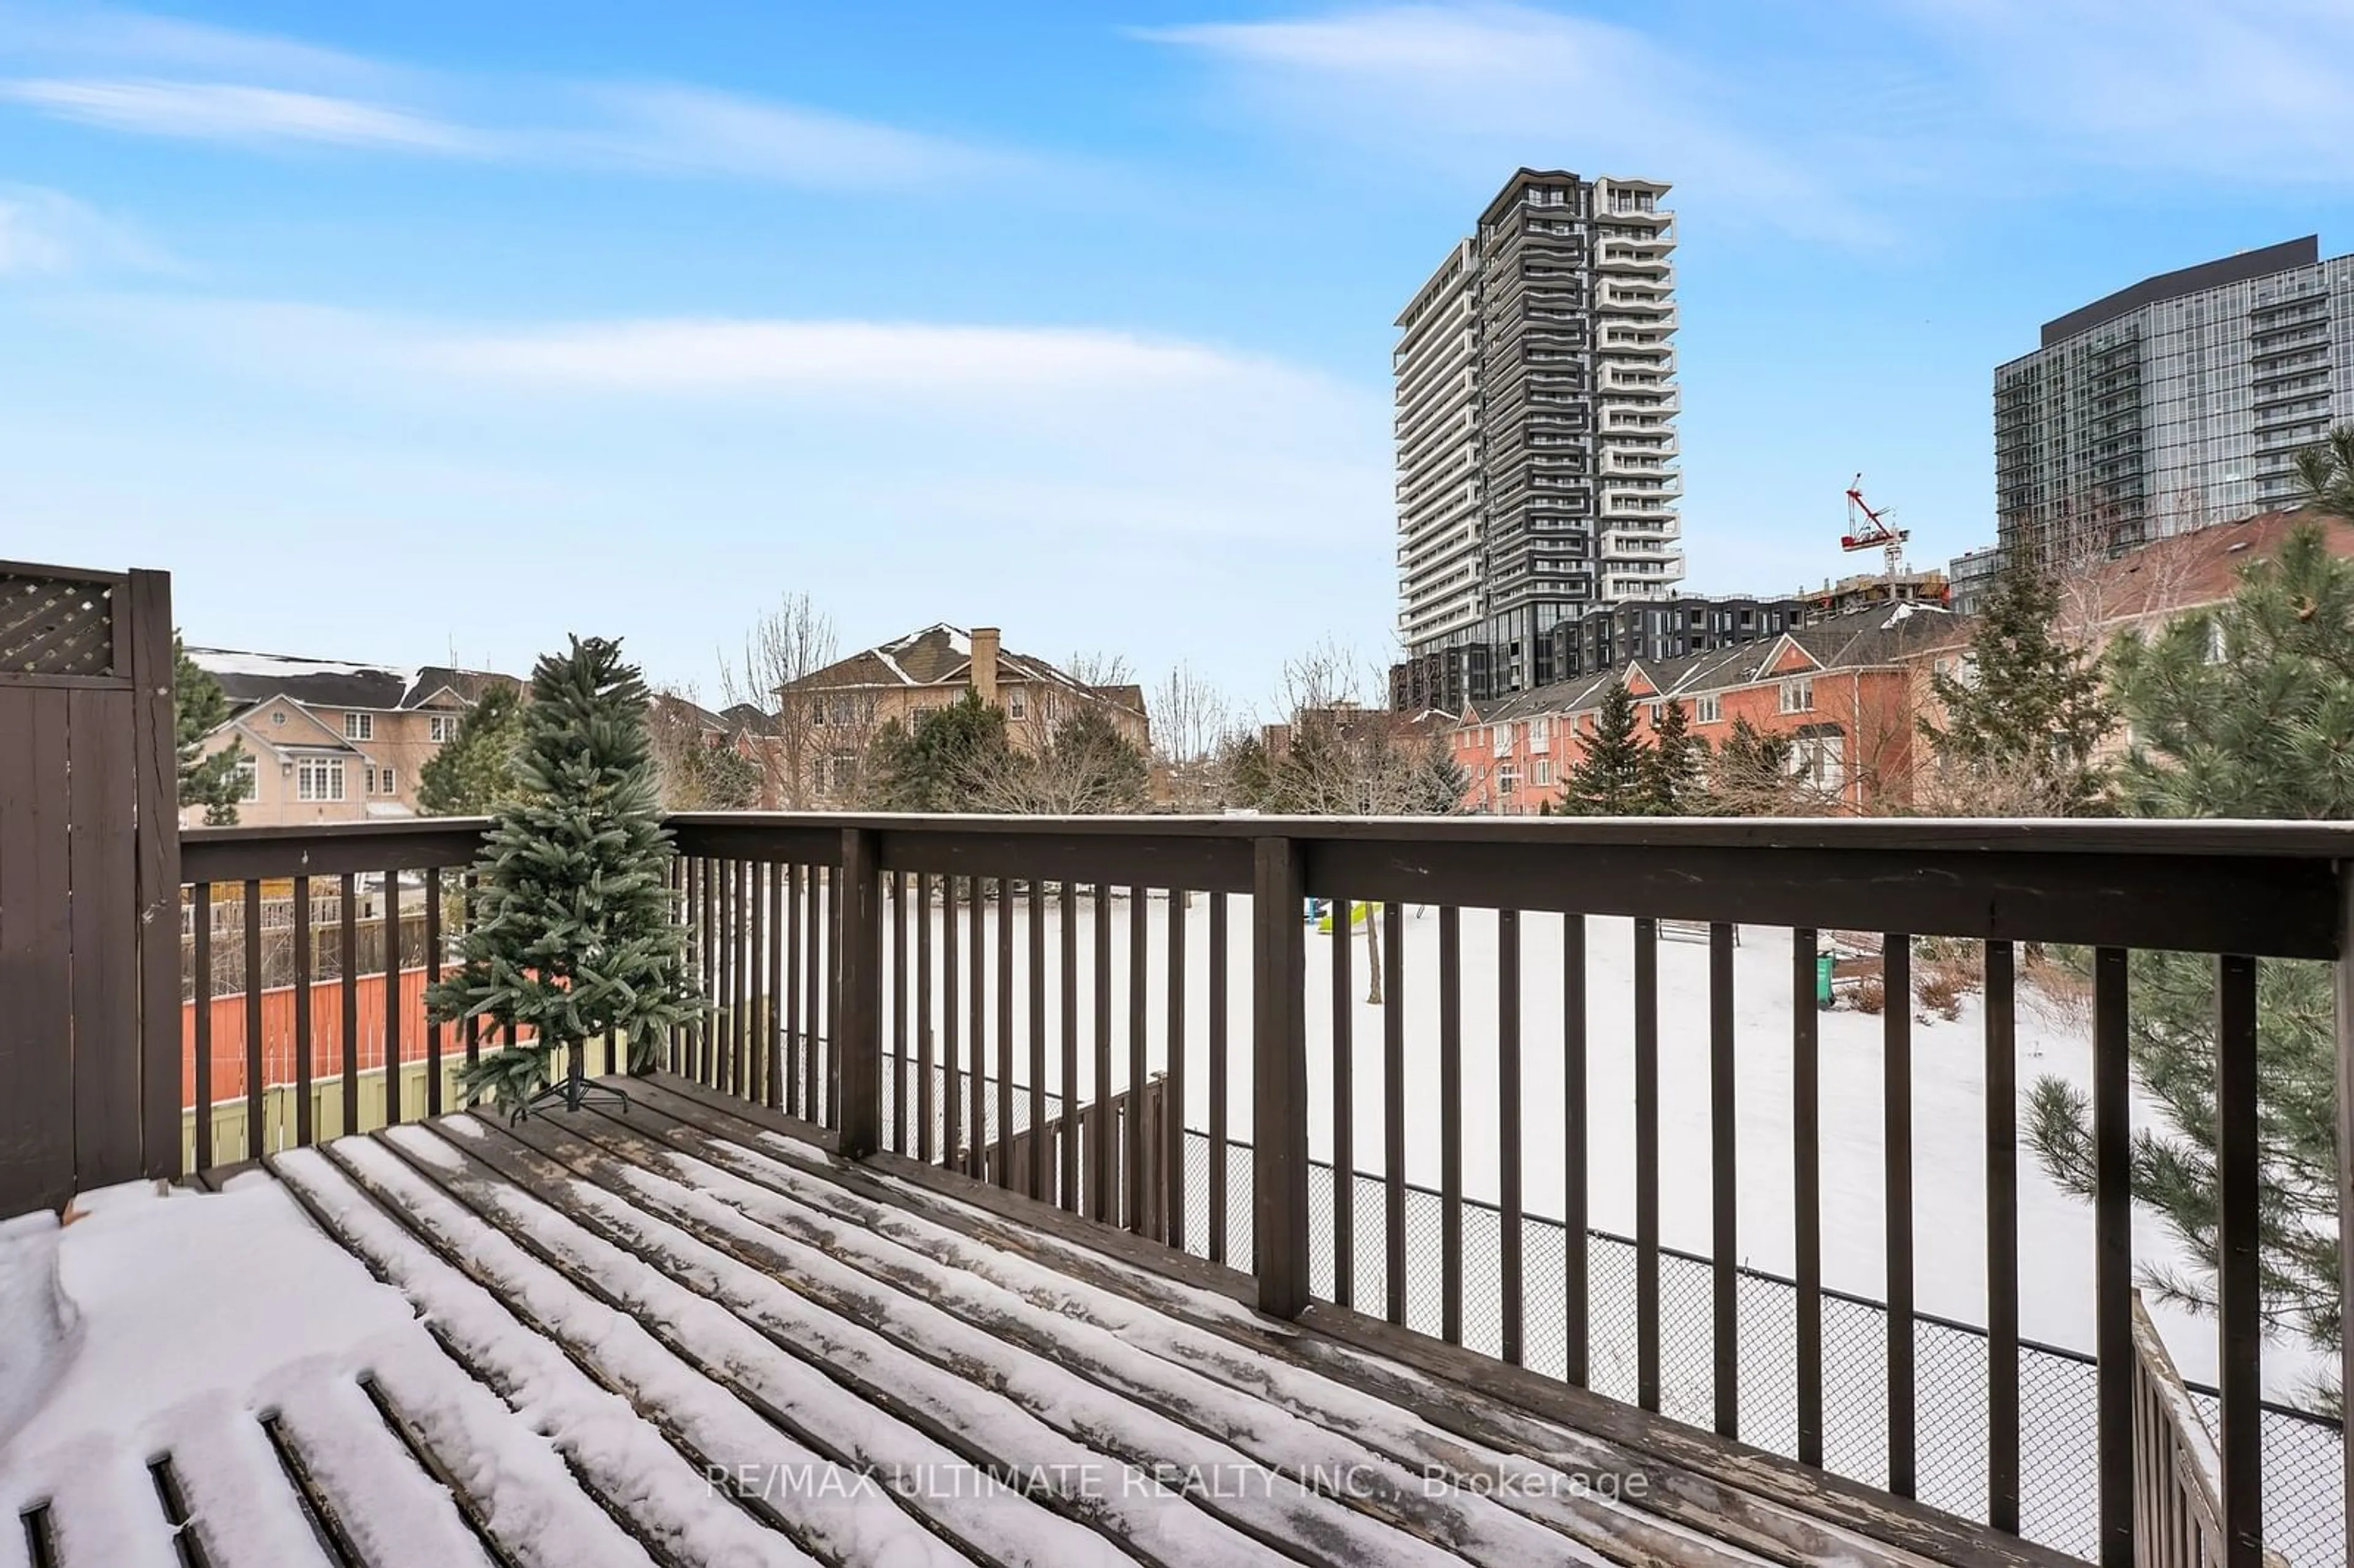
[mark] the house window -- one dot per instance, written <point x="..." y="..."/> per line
<point x="1542" y="774"/>
<point x="1507" y="780"/>
<point x="359" y="726"/>
<point x="1711" y="709"/>
<point x="1017" y="705"/>
<point x="845" y="772"/>
<point x="1798" y="696"/>
<point x="442" y="727"/>
<point x="1822" y="760"/>
<point x="382" y="782"/>
<point x="278" y="716"/>
<point x="248" y="779"/>
<point x="319" y="778"/>
<point x="1659" y="714"/>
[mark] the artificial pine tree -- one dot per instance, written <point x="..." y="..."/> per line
<point x="2024" y="723"/>
<point x="1672" y="770"/>
<point x="574" y="937"/>
<point x="2244" y="712"/>
<point x="1612" y="778"/>
<point x="200" y="706"/>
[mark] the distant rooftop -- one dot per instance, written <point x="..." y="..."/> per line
<point x="2184" y="280"/>
<point x="247" y="678"/>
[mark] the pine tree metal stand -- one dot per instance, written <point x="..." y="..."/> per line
<point x="574" y="1090"/>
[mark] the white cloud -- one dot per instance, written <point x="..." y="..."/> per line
<point x="834" y="357"/>
<point x="81" y="36"/>
<point x="692" y="130"/>
<point x="45" y="233"/>
<point x="2263" y="94"/>
<point x="210" y="84"/>
<point x="1082" y="428"/>
<point x="1480" y="87"/>
<point x="220" y="111"/>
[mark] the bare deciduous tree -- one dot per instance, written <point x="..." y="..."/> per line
<point x="1191" y="722"/>
<point x="785" y="644"/>
<point x="1099" y="669"/>
<point x="1333" y="756"/>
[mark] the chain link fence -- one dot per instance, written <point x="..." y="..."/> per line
<point x="2303" y="1513"/>
<point x="2304" y="1469"/>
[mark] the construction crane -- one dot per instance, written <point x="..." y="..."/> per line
<point x="1870" y="530"/>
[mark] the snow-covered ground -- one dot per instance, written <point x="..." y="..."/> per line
<point x="1948" y="1100"/>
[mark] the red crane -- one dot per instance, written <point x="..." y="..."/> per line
<point x="1872" y="532"/>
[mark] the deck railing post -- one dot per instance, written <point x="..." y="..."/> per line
<point x="858" y="996"/>
<point x="1279" y="1081"/>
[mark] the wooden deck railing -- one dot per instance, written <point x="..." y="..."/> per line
<point x="934" y="988"/>
<point x="2178" y="1474"/>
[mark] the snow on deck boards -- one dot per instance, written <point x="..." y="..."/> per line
<point x="672" y="1335"/>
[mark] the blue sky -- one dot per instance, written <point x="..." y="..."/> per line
<point x="401" y="331"/>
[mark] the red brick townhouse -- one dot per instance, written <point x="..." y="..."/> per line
<point x="1845" y="690"/>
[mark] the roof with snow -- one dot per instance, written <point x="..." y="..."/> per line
<point x="691" y="1335"/>
<point x="940" y="655"/>
<point x="248" y="678"/>
<point x="1876" y="634"/>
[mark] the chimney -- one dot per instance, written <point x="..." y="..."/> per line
<point x="984" y="664"/>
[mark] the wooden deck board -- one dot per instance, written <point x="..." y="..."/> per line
<point x="711" y="1275"/>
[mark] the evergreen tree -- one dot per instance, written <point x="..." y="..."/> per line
<point x="1749" y="776"/>
<point x="719" y="777"/>
<point x="1098" y="768"/>
<point x="933" y="766"/>
<point x="1672" y="770"/>
<point x="200" y="706"/>
<point x="2326" y="470"/>
<point x="1086" y="768"/>
<point x="1438" y="783"/>
<point x="2246" y="712"/>
<point x="1612" y="778"/>
<point x="2026" y="717"/>
<point x="474" y="773"/>
<point x="1246" y="778"/>
<point x="575" y="939"/>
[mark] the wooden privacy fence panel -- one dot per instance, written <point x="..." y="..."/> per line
<point x="89" y="864"/>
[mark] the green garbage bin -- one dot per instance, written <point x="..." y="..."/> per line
<point x="1822" y="980"/>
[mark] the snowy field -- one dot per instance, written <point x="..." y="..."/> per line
<point x="1948" y="1100"/>
<point x="2055" y="1231"/>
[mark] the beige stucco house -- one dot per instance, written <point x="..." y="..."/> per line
<point x="326" y="741"/>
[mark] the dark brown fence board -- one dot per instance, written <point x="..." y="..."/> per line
<point x="2274" y="909"/>
<point x="35" y="957"/>
<point x="103" y="865"/>
<point x="241" y="854"/>
<point x="154" y="761"/>
<point x="1141" y="858"/>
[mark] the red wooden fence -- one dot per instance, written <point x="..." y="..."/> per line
<point x="229" y="1052"/>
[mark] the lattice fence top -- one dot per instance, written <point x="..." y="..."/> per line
<point x="55" y="625"/>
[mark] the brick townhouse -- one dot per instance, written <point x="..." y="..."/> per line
<point x="1844" y="690"/>
<point x="1851" y="691"/>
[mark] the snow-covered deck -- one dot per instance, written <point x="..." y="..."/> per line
<point x="689" y="1335"/>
